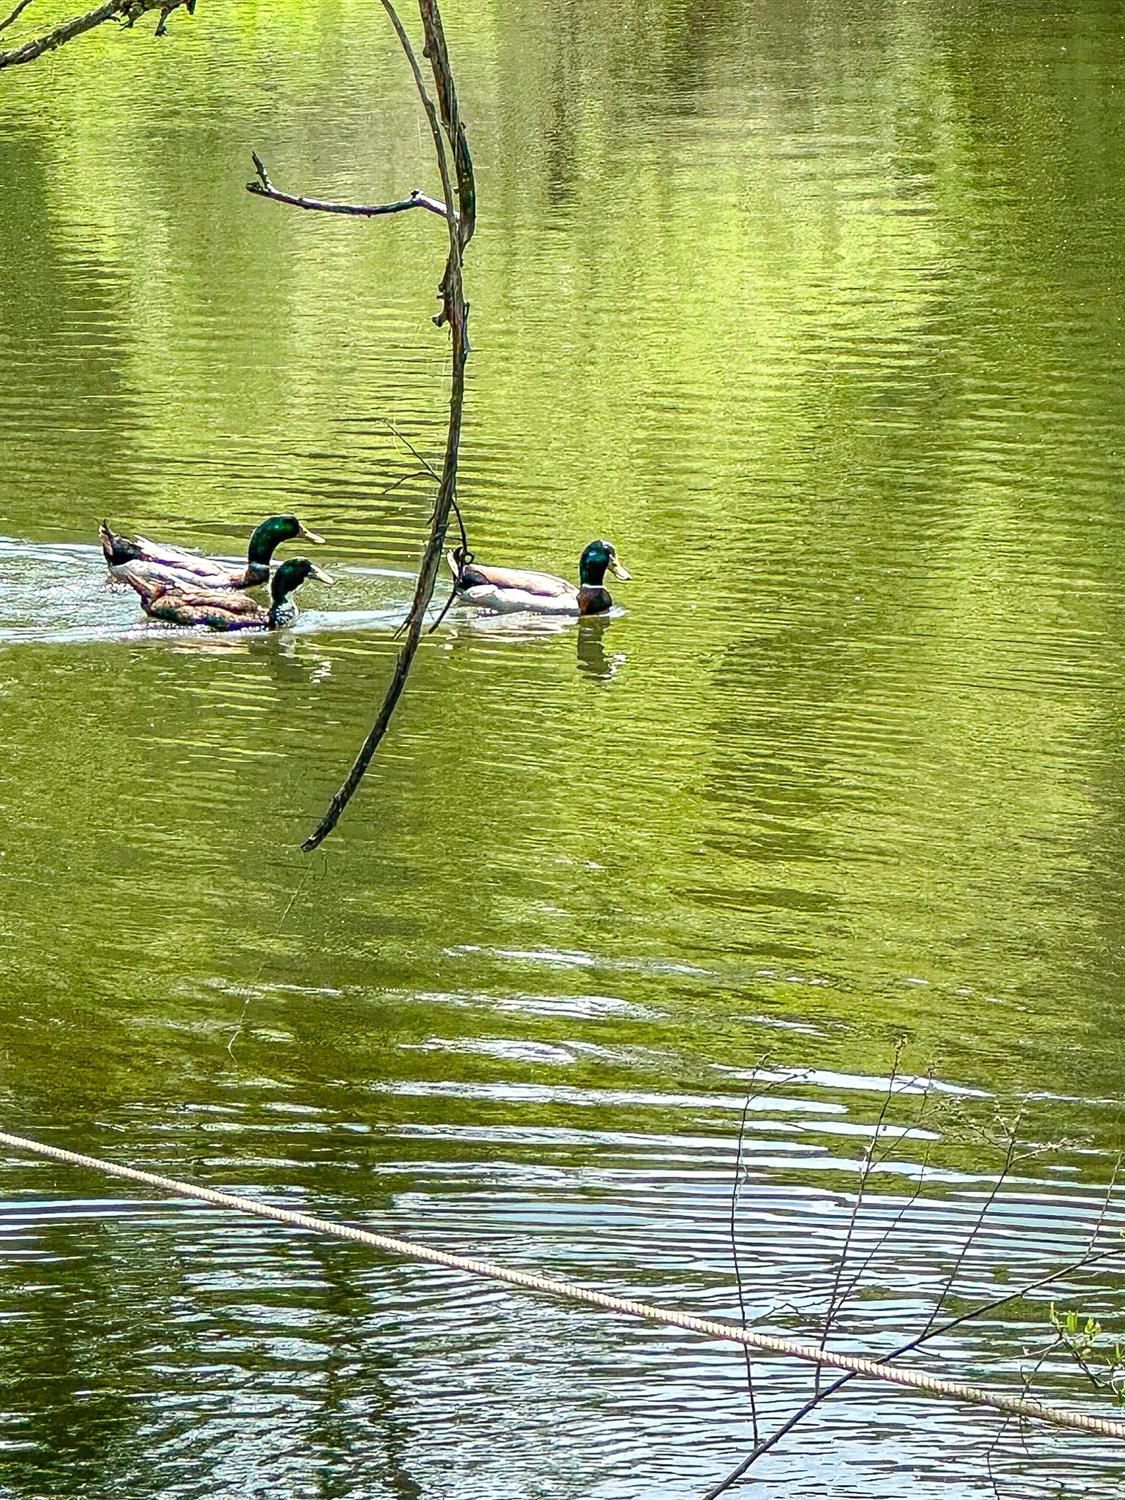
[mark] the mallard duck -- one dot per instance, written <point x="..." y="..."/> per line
<point x="224" y="609"/>
<point x="161" y="564"/>
<point x="507" y="590"/>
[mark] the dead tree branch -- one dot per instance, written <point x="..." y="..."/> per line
<point x="459" y="211"/>
<point x="128" y="12"/>
<point x="445" y="127"/>
<point x="264" y="188"/>
<point x="457" y="207"/>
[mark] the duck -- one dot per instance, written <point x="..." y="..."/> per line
<point x="506" y="590"/>
<point x="174" y="565"/>
<point x="224" y="609"/>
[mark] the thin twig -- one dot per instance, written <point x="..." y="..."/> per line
<point x="128" y="11"/>
<point x="400" y="437"/>
<point x="237" y="1032"/>
<point x="465" y="552"/>
<point x="1100" y="1220"/>
<point x="396" y="484"/>
<point x="834" y="1298"/>
<point x="751" y="1096"/>
<point x="910" y="1202"/>
<point x="433" y="473"/>
<point x="1027" y="1378"/>
<point x="19" y="10"/>
<point x="264" y="188"/>
<point x="1009" y="1155"/>
<point x="466" y="556"/>
<point x="891" y="1227"/>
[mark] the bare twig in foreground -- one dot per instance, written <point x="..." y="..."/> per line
<point x="908" y="1347"/>
<point x="127" y="11"/>
<point x="970" y="1238"/>
<point x="835" y="1301"/>
<point x="822" y="1393"/>
<point x="904" y="1211"/>
<point x="736" y="1187"/>
<point x="1027" y="1380"/>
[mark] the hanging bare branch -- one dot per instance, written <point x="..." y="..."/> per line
<point x="128" y="12"/>
<point x="459" y="212"/>
<point x="457" y="207"/>
<point x="264" y="188"/>
<point x="445" y="127"/>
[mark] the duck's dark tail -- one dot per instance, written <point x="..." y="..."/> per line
<point x="118" y="549"/>
<point x="150" y="589"/>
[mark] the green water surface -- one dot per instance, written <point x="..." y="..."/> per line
<point x="815" y="309"/>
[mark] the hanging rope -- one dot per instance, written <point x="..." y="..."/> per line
<point x="916" y="1380"/>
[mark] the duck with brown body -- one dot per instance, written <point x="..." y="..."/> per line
<point x="507" y="590"/>
<point x="162" y="564"/>
<point x="224" y="609"/>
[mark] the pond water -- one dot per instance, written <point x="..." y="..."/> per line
<point x="815" y="310"/>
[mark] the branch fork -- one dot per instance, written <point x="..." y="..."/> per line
<point x="264" y="188"/>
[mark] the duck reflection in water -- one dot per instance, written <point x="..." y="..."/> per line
<point x="593" y="658"/>
<point x="285" y="657"/>
<point x="289" y="661"/>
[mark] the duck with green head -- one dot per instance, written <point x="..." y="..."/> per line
<point x="160" y="563"/>
<point x="507" y="590"/>
<point x="224" y="609"/>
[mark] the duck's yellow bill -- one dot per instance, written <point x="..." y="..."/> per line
<point x="619" y="569"/>
<point x="315" y="572"/>
<point x="310" y="536"/>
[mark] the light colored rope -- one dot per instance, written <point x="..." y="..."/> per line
<point x="917" y="1380"/>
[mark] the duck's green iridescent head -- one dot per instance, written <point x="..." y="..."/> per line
<point x="597" y="557"/>
<point x="272" y="532"/>
<point x="291" y="575"/>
